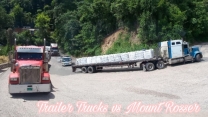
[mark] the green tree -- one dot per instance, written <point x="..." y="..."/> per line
<point x="42" y="24"/>
<point x="18" y="15"/>
<point x="25" y="38"/>
<point x="5" y="23"/>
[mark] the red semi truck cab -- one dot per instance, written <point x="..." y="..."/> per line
<point x="29" y="70"/>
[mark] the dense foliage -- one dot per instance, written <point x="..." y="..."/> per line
<point x="79" y="26"/>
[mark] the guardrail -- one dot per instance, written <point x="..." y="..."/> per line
<point x="4" y="65"/>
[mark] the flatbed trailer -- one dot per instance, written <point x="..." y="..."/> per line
<point x="169" y="52"/>
<point x="145" y="64"/>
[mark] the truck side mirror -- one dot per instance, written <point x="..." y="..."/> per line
<point x="46" y="57"/>
<point x="13" y="61"/>
<point x="46" y="66"/>
<point x="11" y="56"/>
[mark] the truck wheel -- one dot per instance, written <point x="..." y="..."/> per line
<point x="198" y="58"/>
<point x="150" y="66"/>
<point x="91" y="69"/>
<point x="84" y="69"/>
<point x="13" y="94"/>
<point x="160" y="64"/>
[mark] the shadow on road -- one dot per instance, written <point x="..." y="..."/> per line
<point x="152" y="92"/>
<point x="34" y="96"/>
<point x="204" y="59"/>
<point x="49" y="66"/>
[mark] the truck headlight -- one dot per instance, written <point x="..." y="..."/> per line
<point x="16" y="64"/>
<point x="13" y="79"/>
<point x="45" y="78"/>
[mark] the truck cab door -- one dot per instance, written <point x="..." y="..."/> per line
<point x="175" y="49"/>
<point x="186" y="49"/>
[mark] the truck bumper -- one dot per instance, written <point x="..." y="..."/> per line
<point x="66" y="64"/>
<point x="29" y="88"/>
<point x="55" y="54"/>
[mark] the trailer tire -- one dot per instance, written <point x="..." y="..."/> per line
<point x="91" y="69"/>
<point x="198" y="58"/>
<point x="160" y="65"/>
<point x="84" y="70"/>
<point x="150" y="66"/>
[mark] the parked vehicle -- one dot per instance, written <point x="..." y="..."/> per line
<point x="48" y="48"/>
<point x="29" y="70"/>
<point x="66" y="60"/>
<point x="54" y="49"/>
<point x="168" y="52"/>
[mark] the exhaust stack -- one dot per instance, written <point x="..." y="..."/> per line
<point x="15" y="44"/>
<point x="44" y="45"/>
<point x="44" y="54"/>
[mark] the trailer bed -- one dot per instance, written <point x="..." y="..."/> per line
<point x="74" y="67"/>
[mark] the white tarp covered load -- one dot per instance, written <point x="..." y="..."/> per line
<point x="104" y="59"/>
<point x="89" y="60"/>
<point x="78" y="61"/>
<point x="81" y="61"/>
<point x="149" y="54"/>
<point x="132" y="56"/>
<point x="94" y="59"/>
<point x="124" y="56"/>
<point x="117" y="57"/>
<point x="111" y="58"/>
<point x="99" y="59"/>
<point x="139" y="55"/>
<point x="128" y="56"/>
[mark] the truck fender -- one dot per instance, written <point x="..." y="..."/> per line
<point x="197" y="52"/>
<point x="13" y="75"/>
<point x="141" y="64"/>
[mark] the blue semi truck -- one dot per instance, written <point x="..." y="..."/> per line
<point x="176" y="51"/>
<point x="168" y="52"/>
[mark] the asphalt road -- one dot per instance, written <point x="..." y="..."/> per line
<point x="184" y="84"/>
<point x="57" y="69"/>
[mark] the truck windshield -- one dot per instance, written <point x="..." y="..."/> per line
<point x="29" y="56"/>
<point x="54" y="49"/>
<point x="66" y="59"/>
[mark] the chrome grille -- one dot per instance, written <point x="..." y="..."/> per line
<point x="30" y="74"/>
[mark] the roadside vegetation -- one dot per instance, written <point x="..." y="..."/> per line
<point x="80" y="26"/>
<point x="122" y="44"/>
<point x="3" y="59"/>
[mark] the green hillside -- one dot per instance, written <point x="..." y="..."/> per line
<point x="80" y="26"/>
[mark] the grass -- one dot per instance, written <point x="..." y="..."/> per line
<point x="3" y="59"/>
<point x="122" y="44"/>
